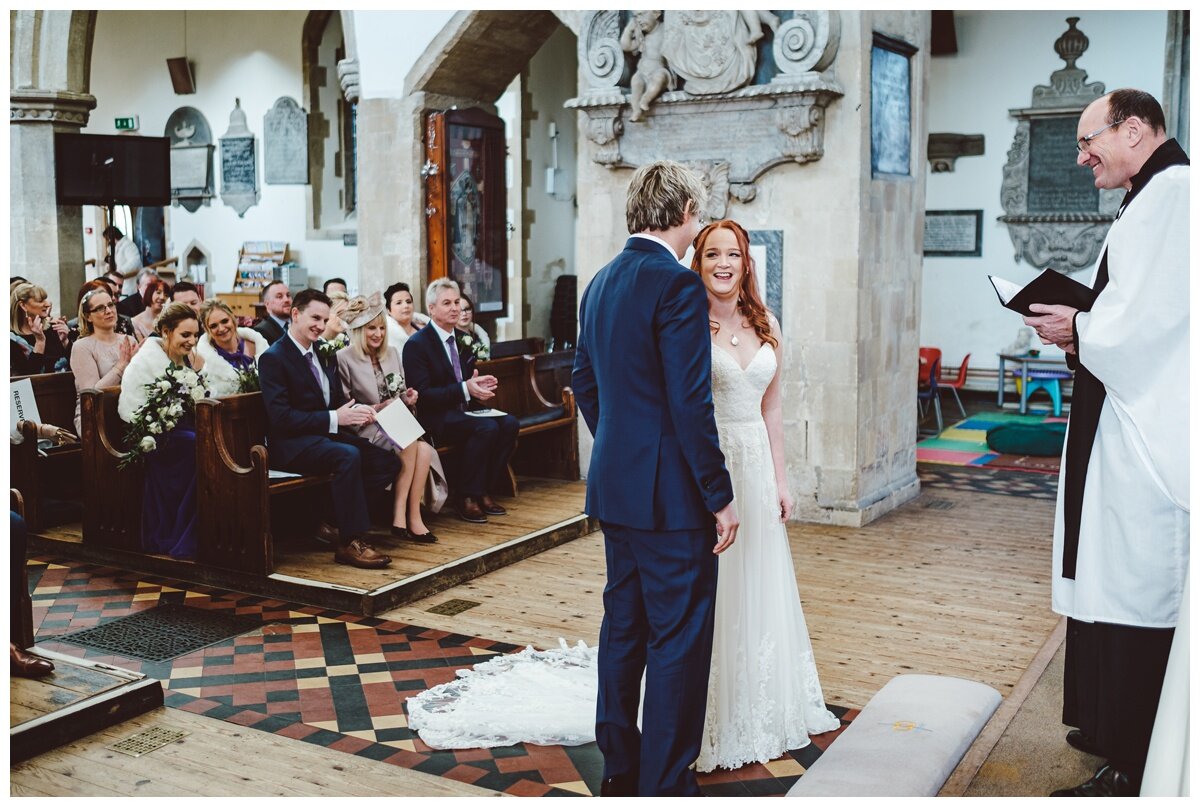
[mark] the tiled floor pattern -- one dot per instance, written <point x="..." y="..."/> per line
<point x="965" y="444"/>
<point x="986" y="480"/>
<point x="340" y="681"/>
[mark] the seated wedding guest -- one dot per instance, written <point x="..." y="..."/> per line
<point x="156" y="296"/>
<point x="230" y="353"/>
<point x="403" y="321"/>
<point x="308" y="429"/>
<point x="169" y="501"/>
<point x="20" y="663"/>
<point x="371" y="373"/>
<point x="466" y="322"/>
<point x="334" y="284"/>
<point x="337" y="306"/>
<point x="187" y="293"/>
<point x="101" y="354"/>
<point x="124" y="323"/>
<point x="443" y="373"/>
<point x="37" y="341"/>
<point x="133" y="304"/>
<point x="278" y="302"/>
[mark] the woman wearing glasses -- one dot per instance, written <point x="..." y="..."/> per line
<point x="100" y="356"/>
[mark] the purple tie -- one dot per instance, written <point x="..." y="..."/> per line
<point x="316" y="371"/>
<point x="454" y="358"/>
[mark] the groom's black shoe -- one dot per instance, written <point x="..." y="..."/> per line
<point x="1108" y="781"/>
<point x="619" y="786"/>
<point x="1078" y="740"/>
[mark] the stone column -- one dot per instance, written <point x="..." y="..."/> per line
<point x="46" y="239"/>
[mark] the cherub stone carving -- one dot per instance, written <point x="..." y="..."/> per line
<point x="644" y="36"/>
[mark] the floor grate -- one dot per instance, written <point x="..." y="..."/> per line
<point x="162" y="633"/>
<point x="149" y="740"/>
<point x="452" y="607"/>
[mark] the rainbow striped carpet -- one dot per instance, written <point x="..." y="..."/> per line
<point x="965" y="443"/>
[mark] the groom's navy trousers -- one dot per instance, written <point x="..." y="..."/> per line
<point x="643" y="381"/>
<point x="660" y="596"/>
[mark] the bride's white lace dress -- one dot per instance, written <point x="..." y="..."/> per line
<point x="763" y="694"/>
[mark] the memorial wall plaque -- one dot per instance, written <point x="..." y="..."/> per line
<point x="1056" y="183"/>
<point x="191" y="158"/>
<point x="891" y="107"/>
<point x="954" y="233"/>
<point x="239" y="163"/>
<point x="285" y="144"/>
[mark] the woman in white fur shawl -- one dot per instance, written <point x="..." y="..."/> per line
<point x="169" y="499"/>
<point x="230" y="353"/>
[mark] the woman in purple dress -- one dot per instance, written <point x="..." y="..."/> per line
<point x="169" y="500"/>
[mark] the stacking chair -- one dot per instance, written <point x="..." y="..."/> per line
<point x="927" y="383"/>
<point x="957" y="384"/>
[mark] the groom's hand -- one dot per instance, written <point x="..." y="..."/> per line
<point x="727" y="527"/>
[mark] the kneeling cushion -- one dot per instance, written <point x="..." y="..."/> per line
<point x="905" y="742"/>
<point x="1035" y="440"/>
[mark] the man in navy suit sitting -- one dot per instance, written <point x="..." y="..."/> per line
<point x="446" y="378"/>
<point x="306" y="410"/>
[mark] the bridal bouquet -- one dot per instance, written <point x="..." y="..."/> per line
<point x="328" y="348"/>
<point x="474" y="346"/>
<point x="248" y="380"/>
<point x="168" y="398"/>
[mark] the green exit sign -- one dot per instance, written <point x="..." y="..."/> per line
<point x="129" y="124"/>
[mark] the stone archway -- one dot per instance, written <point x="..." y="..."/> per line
<point x="51" y="65"/>
<point x="471" y="62"/>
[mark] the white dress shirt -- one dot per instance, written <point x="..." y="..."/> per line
<point x="324" y="380"/>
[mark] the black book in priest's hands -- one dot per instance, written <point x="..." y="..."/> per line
<point x="1048" y="288"/>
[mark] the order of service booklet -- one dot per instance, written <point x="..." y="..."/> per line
<point x="399" y="423"/>
<point x="1048" y="288"/>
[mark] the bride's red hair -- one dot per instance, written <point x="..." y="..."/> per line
<point x="749" y="301"/>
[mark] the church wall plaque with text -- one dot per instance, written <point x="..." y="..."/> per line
<point x="954" y="233"/>
<point x="1056" y="183"/>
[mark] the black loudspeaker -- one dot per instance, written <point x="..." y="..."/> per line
<point x="943" y="41"/>
<point x="181" y="75"/>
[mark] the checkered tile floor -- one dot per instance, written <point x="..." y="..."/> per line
<point x="340" y="681"/>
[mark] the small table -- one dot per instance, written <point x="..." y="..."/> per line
<point x="1025" y="360"/>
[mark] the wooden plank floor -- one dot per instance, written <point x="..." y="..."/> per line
<point x="30" y="698"/>
<point x="217" y="759"/>
<point x="963" y="591"/>
<point x="541" y="503"/>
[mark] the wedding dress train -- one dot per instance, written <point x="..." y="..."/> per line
<point x="764" y="696"/>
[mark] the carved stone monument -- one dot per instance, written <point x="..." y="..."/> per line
<point x="239" y="163"/>
<point x="191" y="158"/>
<point x="712" y="108"/>
<point x="1055" y="215"/>
<point x="285" y="144"/>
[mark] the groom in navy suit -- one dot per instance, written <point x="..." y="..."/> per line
<point x="642" y="379"/>
<point x="306" y="412"/>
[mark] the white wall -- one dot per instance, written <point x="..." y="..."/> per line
<point x="389" y="44"/>
<point x="551" y="244"/>
<point x="251" y="55"/>
<point x="1001" y="56"/>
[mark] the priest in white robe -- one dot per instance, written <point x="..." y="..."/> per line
<point x="1121" y="526"/>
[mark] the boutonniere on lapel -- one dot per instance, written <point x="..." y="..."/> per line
<point x="328" y="348"/>
<point x="471" y="346"/>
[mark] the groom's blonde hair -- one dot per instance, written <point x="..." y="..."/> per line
<point x="659" y="194"/>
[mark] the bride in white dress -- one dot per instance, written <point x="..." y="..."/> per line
<point x="764" y="697"/>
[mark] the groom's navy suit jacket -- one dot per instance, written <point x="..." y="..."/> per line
<point x="643" y="381"/>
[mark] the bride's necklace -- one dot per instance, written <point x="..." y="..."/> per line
<point x="733" y="337"/>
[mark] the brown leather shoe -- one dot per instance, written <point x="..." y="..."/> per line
<point x="468" y="510"/>
<point x="489" y="506"/>
<point x="360" y="554"/>
<point x="327" y="534"/>
<point x="27" y="665"/>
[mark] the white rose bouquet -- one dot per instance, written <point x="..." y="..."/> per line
<point x="168" y="399"/>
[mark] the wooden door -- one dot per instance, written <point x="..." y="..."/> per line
<point x="465" y="205"/>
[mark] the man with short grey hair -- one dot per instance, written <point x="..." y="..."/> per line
<point x="1121" y="540"/>
<point x="133" y="304"/>
<point x="441" y="368"/>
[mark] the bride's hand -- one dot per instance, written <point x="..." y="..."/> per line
<point x="785" y="505"/>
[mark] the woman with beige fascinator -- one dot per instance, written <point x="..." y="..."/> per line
<point x="371" y="373"/>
